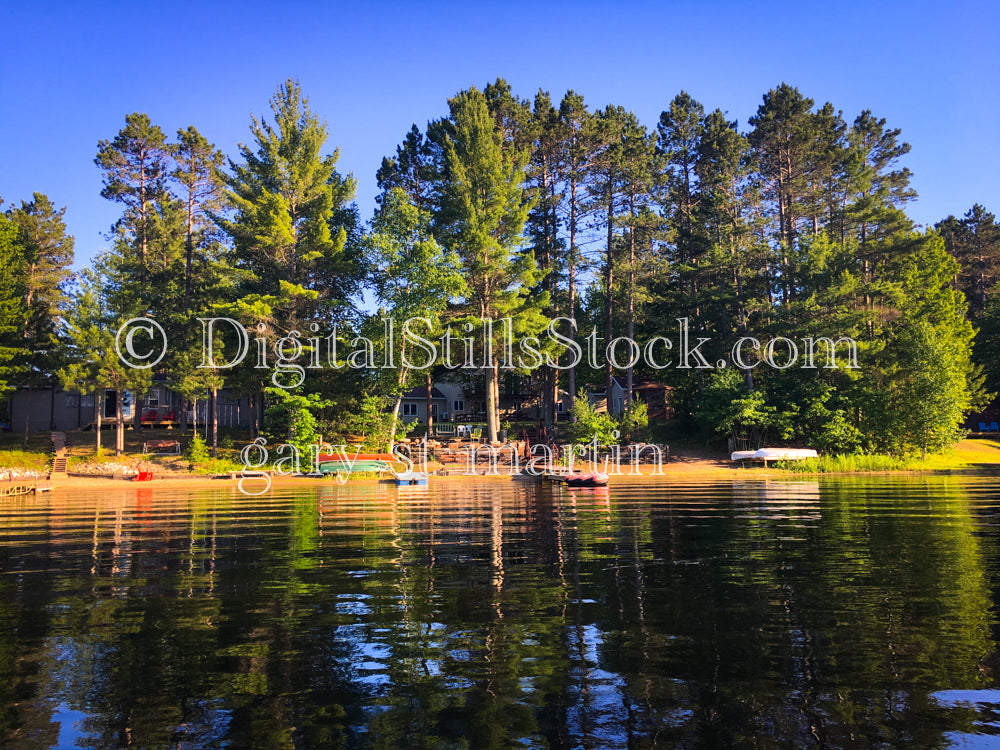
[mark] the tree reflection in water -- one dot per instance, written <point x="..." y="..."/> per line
<point x="486" y="614"/>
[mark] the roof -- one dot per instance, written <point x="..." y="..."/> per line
<point x="650" y="386"/>
<point x="421" y="392"/>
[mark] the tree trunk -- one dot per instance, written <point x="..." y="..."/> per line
<point x="27" y="419"/>
<point x="119" y="422"/>
<point x="98" y="414"/>
<point x="189" y="253"/>
<point x="137" y="417"/>
<point x="395" y="420"/>
<point x="571" y="272"/>
<point x="493" y="400"/>
<point x="608" y="302"/>
<point x="214" y="409"/>
<point x="429" y="404"/>
<point x="400" y="382"/>
<point x="631" y="298"/>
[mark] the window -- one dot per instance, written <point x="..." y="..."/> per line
<point x="434" y="411"/>
<point x="560" y="407"/>
<point x="459" y="405"/>
<point x="153" y="398"/>
<point x="73" y="401"/>
<point x="409" y="410"/>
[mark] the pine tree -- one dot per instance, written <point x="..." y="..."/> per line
<point x="292" y="226"/>
<point x="482" y="217"/>
<point x="580" y="144"/>
<point x="92" y="357"/>
<point x="47" y="252"/>
<point x="136" y="165"/>
<point x="974" y="241"/>
<point x="606" y="195"/>
<point x="729" y="210"/>
<point x="547" y="142"/>
<point x="783" y="139"/>
<point x="12" y="308"/>
<point x="415" y="278"/>
<point x="196" y="173"/>
<point x="678" y="135"/>
<point x="286" y="193"/>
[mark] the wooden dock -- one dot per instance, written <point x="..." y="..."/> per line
<point x="12" y="490"/>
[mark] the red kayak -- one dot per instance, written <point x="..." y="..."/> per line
<point x="595" y="479"/>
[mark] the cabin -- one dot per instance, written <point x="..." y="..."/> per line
<point x="414" y="405"/>
<point x="48" y="408"/>
<point x="656" y="396"/>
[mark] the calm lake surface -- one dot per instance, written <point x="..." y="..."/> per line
<point x="491" y="613"/>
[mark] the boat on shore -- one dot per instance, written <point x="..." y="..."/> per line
<point x="351" y="456"/>
<point x="774" y="454"/>
<point x="340" y="466"/>
<point x="351" y="463"/>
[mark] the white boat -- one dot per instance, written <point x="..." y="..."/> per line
<point x="410" y="477"/>
<point x="774" y="454"/>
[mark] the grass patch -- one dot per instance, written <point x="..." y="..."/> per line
<point x="19" y="459"/>
<point x="845" y="462"/>
<point x="967" y="454"/>
<point x="220" y="465"/>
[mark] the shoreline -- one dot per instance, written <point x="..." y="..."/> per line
<point x="971" y="459"/>
<point x="708" y="469"/>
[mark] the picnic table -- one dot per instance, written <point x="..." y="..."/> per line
<point x="162" y="447"/>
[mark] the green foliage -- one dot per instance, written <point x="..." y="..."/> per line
<point x="634" y="423"/>
<point x="728" y="409"/>
<point x="286" y="195"/>
<point x="481" y="219"/>
<point x="11" y="307"/>
<point x="374" y="422"/>
<point x="846" y="463"/>
<point x="291" y="418"/>
<point x="589" y="423"/>
<point x="196" y="451"/>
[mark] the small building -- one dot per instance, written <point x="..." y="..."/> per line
<point x="414" y="404"/>
<point x="49" y="408"/>
<point x="656" y="396"/>
<point x="599" y="401"/>
<point x="457" y="408"/>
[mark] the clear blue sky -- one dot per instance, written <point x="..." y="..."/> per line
<point x="70" y="74"/>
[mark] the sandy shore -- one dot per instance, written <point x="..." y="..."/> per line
<point x="677" y="466"/>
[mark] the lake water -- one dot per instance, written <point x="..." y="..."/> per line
<point x="493" y="613"/>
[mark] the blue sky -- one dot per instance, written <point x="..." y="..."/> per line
<point x="70" y="74"/>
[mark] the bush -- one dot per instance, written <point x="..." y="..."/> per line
<point x="634" y="423"/>
<point x="590" y="423"/>
<point x="197" y="451"/>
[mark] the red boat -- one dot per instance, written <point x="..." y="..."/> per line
<point x="594" y="479"/>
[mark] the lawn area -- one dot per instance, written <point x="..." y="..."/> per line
<point x="967" y="454"/>
<point x="80" y="447"/>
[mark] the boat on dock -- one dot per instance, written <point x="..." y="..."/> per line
<point x="408" y="478"/>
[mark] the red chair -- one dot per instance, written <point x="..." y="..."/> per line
<point x="150" y="415"/>
<point x="143" y="476"/>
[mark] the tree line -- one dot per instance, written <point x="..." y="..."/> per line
<point x="532" y="210"/>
